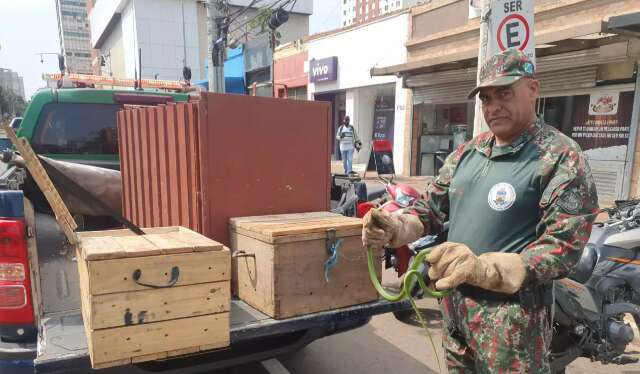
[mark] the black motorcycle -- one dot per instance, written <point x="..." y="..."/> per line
<point x="591" y="303"/>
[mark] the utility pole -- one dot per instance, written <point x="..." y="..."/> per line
<point x="479" y="123"/>
<point x="216" y="38"/>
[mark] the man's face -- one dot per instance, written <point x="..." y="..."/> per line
<point x="509" y="110"/>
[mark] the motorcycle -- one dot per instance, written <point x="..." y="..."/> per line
<point x="591" y="303"/>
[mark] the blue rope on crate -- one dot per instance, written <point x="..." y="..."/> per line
<point x="332" y="261"/>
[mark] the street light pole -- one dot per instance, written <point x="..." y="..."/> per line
<point x="216" y="37"/>
<point x="479" y="123"/>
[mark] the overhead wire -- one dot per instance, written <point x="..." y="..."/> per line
<point x="279" y="3"/>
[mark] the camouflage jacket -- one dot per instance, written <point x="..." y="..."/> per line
<point x="535" y="197"/>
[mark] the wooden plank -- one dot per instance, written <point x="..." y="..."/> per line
<point x="173" y="195"/>
<point x="153" y="167"/>
<point x="137" y="175"/>
<point x="104" y="365"/>
<point x="32" y="163"/>
<point x="108" y="276"/>
<point x="34" y="263"/>
<point x="254" y="276"/>
<point x="281" y="217"/>
<point x="124" y="166"/>
<point x="340" y="233"/>
<point x="163" y="164"/>
<point x="139" y="340"/>
<point x="145" y="151"/>
<point x="127" y="232"/>
<point x="85" y="298"/>
<point x="182" y="352"/>
<point x="160" y="305"/>
<point x="276" y="227"/>
<point x="149" y="357"/>
<point x="304" y="228"/>
<point x="101" y="247"/>
<point x="168" y="243"/>
<point x="194" y="170"/>
<point x="200" y="242"/>
<point x="183" y="166"/>
<point x="270" y="228"/>
<point x="105" y="245"/>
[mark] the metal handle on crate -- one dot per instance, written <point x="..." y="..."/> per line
<point x="237" y="254"/>
<point x="175" y="274"/>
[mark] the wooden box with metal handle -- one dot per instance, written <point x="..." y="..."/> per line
<point x="294" y="264"/>
<point x="152" y="296"/>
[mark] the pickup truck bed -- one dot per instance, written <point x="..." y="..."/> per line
<point x="254" y="337"/>
<point x="61" y="345"/>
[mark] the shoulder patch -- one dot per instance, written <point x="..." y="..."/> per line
<point x="569" y="201"/>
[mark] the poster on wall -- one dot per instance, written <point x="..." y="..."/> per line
<point x="601" y="124"/>
<point x="383" y="118"/>
<point x="604" y="104"/>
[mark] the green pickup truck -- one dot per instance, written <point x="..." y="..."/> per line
<point x="79" y="125"/>
<point x="41" y="327"/>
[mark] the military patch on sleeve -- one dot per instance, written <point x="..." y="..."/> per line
<point x="569" y="201"/>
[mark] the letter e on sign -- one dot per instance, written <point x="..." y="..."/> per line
<point x="513" y="32"/>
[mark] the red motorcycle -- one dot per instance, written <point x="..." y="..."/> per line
<point x="397" y="198"/>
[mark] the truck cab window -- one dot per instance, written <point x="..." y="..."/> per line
<point x="69" y="128"/>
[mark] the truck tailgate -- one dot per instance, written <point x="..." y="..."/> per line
<point x="63" y="345"/>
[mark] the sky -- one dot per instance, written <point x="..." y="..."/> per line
<point x="28" y="27"/>
<point x="326" y="16"/>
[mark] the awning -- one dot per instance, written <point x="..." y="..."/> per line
<point x="466" y="58"/>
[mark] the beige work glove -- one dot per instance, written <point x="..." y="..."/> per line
<point x="453" y="264"/>
<point x="381" y="228"/>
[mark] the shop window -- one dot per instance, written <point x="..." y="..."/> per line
<point x="441" y="128"/>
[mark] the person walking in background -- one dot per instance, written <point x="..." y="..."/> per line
<point x="349" y="141"/>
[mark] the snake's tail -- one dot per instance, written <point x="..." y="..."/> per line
<point x="426" y="330"/>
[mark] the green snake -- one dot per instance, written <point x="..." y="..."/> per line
<point x="407" y="284"/>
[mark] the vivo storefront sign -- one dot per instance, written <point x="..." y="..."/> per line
<point x="323" y="70"/>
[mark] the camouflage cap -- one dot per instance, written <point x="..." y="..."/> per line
<point x="504" y="69"/>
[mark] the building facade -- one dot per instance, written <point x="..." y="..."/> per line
<point x="290" y="76"/>
<point x="339" y="71"/>
<point x="74" y="35"/>
<point x="10" y="80"/>
<point x="171" y="34"/>
<point x="584" y="61"/>
<point x="358" y="11"/>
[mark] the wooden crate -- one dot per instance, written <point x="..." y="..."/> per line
<point x="132" y="310"/>
<point x="278" y="263"/>
<point x="181" y="165"/>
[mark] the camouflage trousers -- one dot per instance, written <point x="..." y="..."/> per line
<point x="495" y="337"/>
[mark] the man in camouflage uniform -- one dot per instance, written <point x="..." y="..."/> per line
<point x="521" y="201"/>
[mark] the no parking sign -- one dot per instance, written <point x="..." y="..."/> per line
<point x="512" y="27"/>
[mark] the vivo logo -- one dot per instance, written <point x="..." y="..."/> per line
<point x="323" y="70"/>
<point x="318" y="70"/>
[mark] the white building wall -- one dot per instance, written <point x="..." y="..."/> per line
<point x="379" y="43"/>
<point x="356" y="56"/>
<point x="156" y="27"/>
<point x="102" y="13"/>
<point x="159" y="30"/>
<point x="113" y="51"/>
<point x="129" y="40"/>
